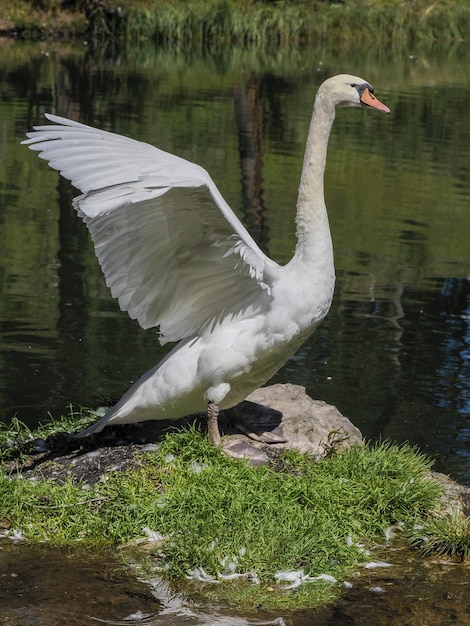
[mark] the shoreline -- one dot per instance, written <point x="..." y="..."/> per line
<point x="197" y="507"/>
<point x="239" y="22"/>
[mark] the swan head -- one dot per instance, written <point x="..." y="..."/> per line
<point x="345" y="90"/>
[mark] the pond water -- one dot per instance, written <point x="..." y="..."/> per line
<point x="394" y="352"/>
<point x="44" y="587"/>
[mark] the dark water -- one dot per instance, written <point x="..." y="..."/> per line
<point x="44" y="587"/>
<point x="53" y="588"/>
<point x="394" y="353"/>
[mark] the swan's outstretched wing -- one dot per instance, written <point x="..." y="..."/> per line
<point x="173" y="252"/>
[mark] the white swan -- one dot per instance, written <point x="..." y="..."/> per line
<point x="176" y="256"/>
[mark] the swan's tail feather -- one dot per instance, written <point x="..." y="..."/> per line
<point x="97" y="427"/>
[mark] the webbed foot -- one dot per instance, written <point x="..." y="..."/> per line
<point x="242" y="425"/>
<point x="239" y="449"/>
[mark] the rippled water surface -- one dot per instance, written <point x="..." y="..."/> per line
<point x="394" y="353"/>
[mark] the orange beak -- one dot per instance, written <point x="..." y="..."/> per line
<point x="370" y="100"/>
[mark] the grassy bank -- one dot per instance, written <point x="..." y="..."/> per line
<point x="249" y="533"/>
<point x="240" y="21"/>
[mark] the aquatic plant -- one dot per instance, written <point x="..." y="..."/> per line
<point x="284" y="23"/>
<point x="244" y="21"/>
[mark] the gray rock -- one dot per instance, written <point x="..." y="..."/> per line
<point x="310" y="426"/>
<point x="455" y="499"/>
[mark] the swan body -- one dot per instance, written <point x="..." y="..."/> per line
<point x="176" y="256"/>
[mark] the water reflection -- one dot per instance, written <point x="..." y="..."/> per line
<point x="47" y="587"/>
<point x="393" y="354"/>
<point x="247" y="108"/>
<point x="415" y="387"/>
<point x="52" y="587"/>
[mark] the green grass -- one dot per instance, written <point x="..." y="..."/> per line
<point x="290" y="23"/>
<point x="17" y="439"/>
<point x="214" y="511"/>
<point x="246" y="22"/>
<point x="47" y="18"/>
<point x="447" y="535"/>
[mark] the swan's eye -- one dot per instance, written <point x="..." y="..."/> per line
<point x="361" y="87"/>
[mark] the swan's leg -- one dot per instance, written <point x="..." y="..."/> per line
<point x="212" y="423"/>
<point x="237" y="449"/>
<point x="241" y="424"/>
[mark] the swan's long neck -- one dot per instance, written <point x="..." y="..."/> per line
<point x="313" y="232"/>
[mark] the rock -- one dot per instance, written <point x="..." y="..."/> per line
<point x="455" y="497"/>
<point x="310" y="426"/>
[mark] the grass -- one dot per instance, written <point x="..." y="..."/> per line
<point x="447" y="536"/>
<point x="41" y="19"/>
<point x="291" y="23"/>
<point x="217" y="516"/>
<point x="17" y="440"/>
<point x="244" y="21"/>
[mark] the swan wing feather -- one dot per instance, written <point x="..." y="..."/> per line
<point x="173" y="252"/>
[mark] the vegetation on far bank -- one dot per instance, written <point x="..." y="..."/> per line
<point x="248" y="532"/>
<point x="239" y="21"/>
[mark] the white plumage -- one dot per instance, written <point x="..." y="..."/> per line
<point x="176" y="256"/>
